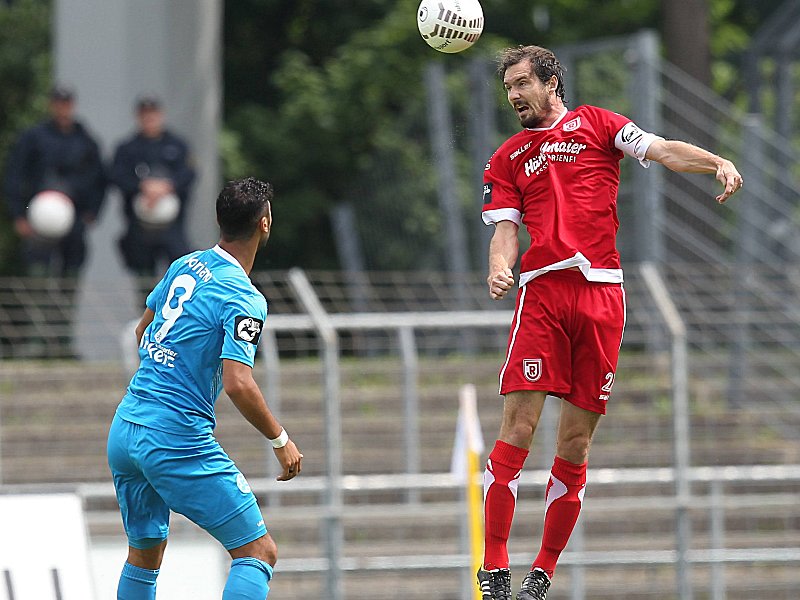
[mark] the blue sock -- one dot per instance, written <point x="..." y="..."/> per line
<point x="136" y="583"/>
<point x="248" y="580"/>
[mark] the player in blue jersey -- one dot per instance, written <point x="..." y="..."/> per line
<point x="197" y="336"/>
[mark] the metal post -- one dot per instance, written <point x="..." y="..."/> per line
<point x="717" y="540"/>
<point x="680" y="422"/>
<point x="351" y="254"/>
<point x="272" y="392"/>
<point x="441" y="128"/>
<point x="578" y="580"/>
<point x="456" y="249"/>
<point x="1" y="443"/>
<point x="648" y="207"/>
<point x="566" y="56"/>
<point x="467" y="577"/>
<point x="408" y="354"/>
<point x="748" y="224"/>
<point x="681" y="412"/>
<point x="784" y="98"/>
<point x="333" y="426"/>
<point x="483" y="126"/>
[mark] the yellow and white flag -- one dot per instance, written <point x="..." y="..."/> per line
<point x="466" y="469"/>
<point x="469" y="438"/>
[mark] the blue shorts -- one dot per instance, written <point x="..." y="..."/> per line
<point x="155" y="472"/>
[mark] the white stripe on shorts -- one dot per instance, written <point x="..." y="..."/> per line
<point x="518" y="318"/>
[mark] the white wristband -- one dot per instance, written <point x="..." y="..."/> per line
<point x="281" y="440"/>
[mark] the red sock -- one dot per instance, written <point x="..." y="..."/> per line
<point x="563" y="500"/>
<point x="500" y="481"/>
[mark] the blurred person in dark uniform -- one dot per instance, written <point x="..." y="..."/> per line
<point x="58" y="154"/>
<point x="153" y="171"/>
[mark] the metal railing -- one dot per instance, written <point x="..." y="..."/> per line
<point x="680" y="411"/>
<point x="414" y="492"/>
<point x="334" y="512"/>
<point x="715" y="503"/>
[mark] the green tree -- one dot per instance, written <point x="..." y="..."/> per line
<point x="25" y="70"/>
<point x="339" y="114"/>
<point x="341" y="127"/>
<point x="326" y="99"/>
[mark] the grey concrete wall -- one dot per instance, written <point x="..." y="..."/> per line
<point x="111" y="51"/>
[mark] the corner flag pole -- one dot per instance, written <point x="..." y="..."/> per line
<point x="466" y="469"/>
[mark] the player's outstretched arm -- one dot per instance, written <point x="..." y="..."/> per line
<point x="237" y="379"/>
<point x="686" y="158"/>
<point x="503" y="250"/>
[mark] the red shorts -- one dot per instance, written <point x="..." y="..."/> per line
<point x="565" y="339"/>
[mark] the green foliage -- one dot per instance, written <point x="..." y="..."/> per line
<point x="346" y="128"/>
<point x="340" y="115"/>
<point x="555" y="22"/>
<point x="25" y="68"/>
<point x="326" y="99"/>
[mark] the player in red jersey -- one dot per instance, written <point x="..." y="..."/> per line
<point x="559" y="178"/>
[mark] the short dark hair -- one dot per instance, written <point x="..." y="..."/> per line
<point x="62" y="92"/>
<point x="544" y="64"/>
<point x="240" y="206"/>
<point x="147" y="102"/>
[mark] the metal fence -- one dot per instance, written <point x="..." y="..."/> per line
<point x="371" y="398"/>
<point x="695" y="468"/>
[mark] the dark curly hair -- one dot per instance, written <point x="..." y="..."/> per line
<point x="544" y="64"/>
<point x="240" y="206"/>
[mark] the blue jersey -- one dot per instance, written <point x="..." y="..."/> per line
<point x="206" y="309"/>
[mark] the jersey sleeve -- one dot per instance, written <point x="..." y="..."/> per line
<point x="628" y="137"/>
<point x="243" y="321"/>
<point x="634" y="142"/>
<point x="624" y="135"/>
<point x="153" y="297"/>
<point x="502" y="200"/>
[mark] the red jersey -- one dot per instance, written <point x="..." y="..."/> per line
<point x="561" y="182"/>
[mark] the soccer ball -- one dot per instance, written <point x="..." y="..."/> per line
<point x="450" y="25"/>
<point x="156" y="214"/>
<point x="51" y="214"/>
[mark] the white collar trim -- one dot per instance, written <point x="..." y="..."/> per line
<point x="227" y="256"/>
<point x="556" y="122"/>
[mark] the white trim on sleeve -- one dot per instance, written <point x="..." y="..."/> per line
<point x="502" y="214"/>
<point x="634" y="142"/>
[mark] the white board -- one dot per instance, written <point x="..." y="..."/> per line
<point x="43" y="548"/>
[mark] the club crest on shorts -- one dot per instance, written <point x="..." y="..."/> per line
<point x="532" y="368"/>
<point x="242" y="484"/>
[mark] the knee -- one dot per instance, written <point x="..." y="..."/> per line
<point x="269" y="554"/>
<point x="518" y="433"/>
<point x="149" y="557"/>
<point x="574" y="448"/>
<point x="264" y="549"/>
<point x="521" y="412"/>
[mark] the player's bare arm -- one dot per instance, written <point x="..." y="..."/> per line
<point x="237" y="379"/>
<point x="147" y="318"/>
<point x="503" y="251"/>
<point x="686" y="158"/>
